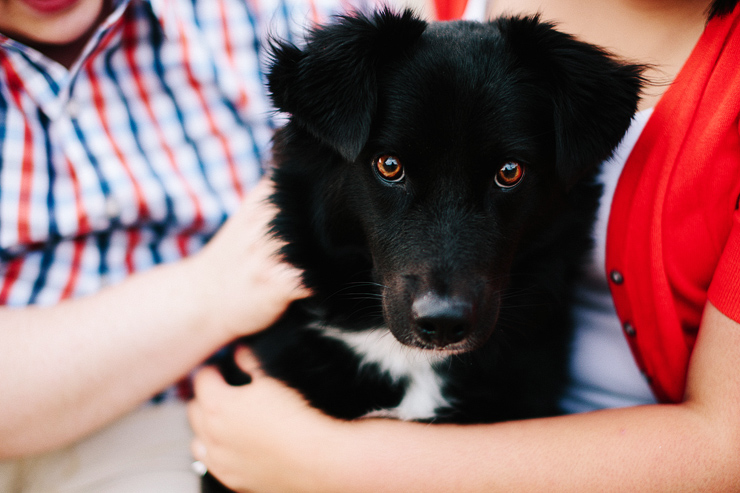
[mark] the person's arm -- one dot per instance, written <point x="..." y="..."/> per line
<point x="262" y="437"/>
<point x="68" y="369"/>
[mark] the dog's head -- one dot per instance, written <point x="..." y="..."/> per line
<point x="437" y="157"/>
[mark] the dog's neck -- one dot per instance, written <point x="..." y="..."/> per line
<point x="423" y="397"/>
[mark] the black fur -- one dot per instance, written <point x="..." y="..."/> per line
<point x="445" y="260"/>
<point x="721" y="7"/>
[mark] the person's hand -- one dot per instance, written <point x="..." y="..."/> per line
<point x="261" y="437"/>
<point x="159" y="324"/>
<point x="244" y="285"/>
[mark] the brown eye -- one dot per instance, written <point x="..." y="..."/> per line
<point x="509" y="175"/>
<point x="389" y="168"/>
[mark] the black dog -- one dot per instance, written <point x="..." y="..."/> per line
<point x="436" y="184"/>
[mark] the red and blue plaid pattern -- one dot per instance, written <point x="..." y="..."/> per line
<point x="137" y="154"/>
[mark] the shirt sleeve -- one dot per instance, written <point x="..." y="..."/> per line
<point x="724" y="290"/>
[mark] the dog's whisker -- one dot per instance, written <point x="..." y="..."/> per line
<point x="350" y="288"/>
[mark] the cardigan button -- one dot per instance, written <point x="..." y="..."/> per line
<point x="647" y="377"/>
<point x="616" y="277"/>
<point x="629" y="329"/>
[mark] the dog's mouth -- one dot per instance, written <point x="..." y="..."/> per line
<point x="464" y="345"/>
<point x="443" y="352"/>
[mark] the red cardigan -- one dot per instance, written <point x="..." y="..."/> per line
<point x="673" y="240"/>
<point x="446" y="10"/>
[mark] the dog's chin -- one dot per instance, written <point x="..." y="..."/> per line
<point x="451" y="350"/>
<point x="415" y="341"/>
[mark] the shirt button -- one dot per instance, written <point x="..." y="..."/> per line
<point x="73" y="109"/>
<point x="629" y="329"/>
<point x="112" y="209"/>
<point x="616" y="277"/>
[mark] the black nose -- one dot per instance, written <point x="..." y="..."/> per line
<point x="442" y="320"/>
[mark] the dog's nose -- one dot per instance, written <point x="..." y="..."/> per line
<point x="442" y="320"/>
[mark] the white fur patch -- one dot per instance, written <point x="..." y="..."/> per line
<point x="424" y="392"/>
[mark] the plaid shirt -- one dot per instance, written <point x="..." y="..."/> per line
<point x="137" y="154"/>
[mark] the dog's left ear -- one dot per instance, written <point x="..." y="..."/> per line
<point x="594" y="95"/>
<point x="329" y="87"/>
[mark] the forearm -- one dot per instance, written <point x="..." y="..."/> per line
<point x="264" y="437"/>
<point x="67" y="369"/>
<point x="692" y="446"/>
<point x="656" y="448"/>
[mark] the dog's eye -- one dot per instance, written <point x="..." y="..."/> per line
<point x="389" y="168"/>
<point x="509" y="175"/>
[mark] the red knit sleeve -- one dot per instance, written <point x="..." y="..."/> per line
<point x="724" y="291"/>
<point x="446" y="10"/>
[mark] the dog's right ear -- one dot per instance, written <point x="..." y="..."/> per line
<point x="330" y="86"/>
<point x="594" y="94"/>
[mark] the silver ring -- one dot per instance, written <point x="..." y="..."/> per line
<point x="199" y="468"/>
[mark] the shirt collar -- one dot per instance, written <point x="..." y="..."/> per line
<point x="165" y="12"/>
<point x="47" y="82"/>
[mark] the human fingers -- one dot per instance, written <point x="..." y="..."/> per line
<point x="209" y="384"/>
<point x="248" y="361"/>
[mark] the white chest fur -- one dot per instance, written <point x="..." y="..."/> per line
<point x="424" y="392"/>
